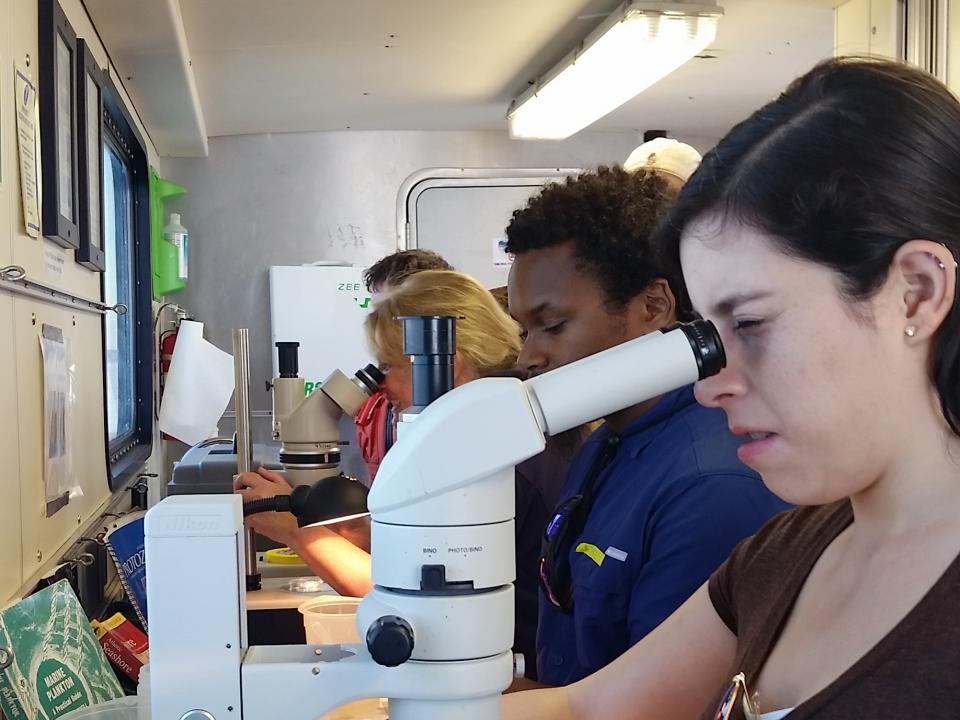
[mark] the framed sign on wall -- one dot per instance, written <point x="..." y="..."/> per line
<point x="91" y="82"/>
<point x="58" y="125"/>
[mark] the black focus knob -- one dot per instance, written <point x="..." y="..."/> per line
<point x="390" y="641"/>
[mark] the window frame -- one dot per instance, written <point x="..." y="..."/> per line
<point x="90" y="252"/>
<point x="53" y="24"/>
<point x="127" y="453"/>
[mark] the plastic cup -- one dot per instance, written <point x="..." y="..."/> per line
<point x="330" y="620"/>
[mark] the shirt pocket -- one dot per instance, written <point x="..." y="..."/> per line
<point x="601" y="597"/>
<point x="593" y="569"/>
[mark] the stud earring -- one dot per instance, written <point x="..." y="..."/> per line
<point x="910" y="330"/>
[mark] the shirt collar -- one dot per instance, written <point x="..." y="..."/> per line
<point x="640" y="432"/>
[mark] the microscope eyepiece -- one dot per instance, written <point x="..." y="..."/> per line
<point x="288" y="359"/>
<point x="430" y="341"/>
<point x="429" y="334"/>
<point x="706" y="345"/>
<point x="371" y="377"/>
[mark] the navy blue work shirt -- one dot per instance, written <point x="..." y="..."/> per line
<point x="534" y="478"/>
<point x="667" y="510"/>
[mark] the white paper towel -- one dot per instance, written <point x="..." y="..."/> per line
<point x="199" y="385"/>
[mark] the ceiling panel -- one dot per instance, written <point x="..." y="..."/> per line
<point x="761" y="46"/>
<point x="293" y="65"/>
<point x="308" y="65"/>
<point x="146" y="43"/>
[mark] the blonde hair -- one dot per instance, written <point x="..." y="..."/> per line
<point x="487" y="338"/>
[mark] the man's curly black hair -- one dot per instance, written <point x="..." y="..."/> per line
<point x="610" y="216"/>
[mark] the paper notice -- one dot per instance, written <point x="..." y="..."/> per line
<point x="198" y="387"/>
<point x="1" y="135"/>
<point x="500" y="256"/>
<point x="58" y="476"/>
<point x="26" y="103"/>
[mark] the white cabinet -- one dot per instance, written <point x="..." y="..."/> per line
<point x="953" y="46"/>
<point x="869" y="27"/>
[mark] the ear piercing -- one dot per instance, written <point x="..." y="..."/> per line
<point x="910" y="330"/>
<point x="956" y="266"/>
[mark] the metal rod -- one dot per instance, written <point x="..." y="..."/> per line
<point x="241" y="373"/>
<point x="13" y="279"/>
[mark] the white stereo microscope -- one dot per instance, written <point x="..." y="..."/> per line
<point x="438" y="625"/>
<point x="308" y="425"/>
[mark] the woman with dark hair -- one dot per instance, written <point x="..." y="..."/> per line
<point x="821" y="236"/>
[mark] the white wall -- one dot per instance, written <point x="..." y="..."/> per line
<point x="30" y="543"/>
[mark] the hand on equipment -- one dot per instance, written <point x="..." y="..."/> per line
<point x="278" y="526"/>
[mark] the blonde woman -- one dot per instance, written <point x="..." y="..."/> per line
<point x="488" y="342"/>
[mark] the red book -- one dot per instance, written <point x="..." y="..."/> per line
<point x="124" y="643"/>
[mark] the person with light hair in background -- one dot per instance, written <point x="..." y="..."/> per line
<point x="488" y="342"/>
<point x="375" y="419"/>
<point x="487" y="338"/>
<point x="670" y="159"/>
<point x="391" y="270"/>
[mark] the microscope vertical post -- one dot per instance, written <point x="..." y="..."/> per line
<point x="241" y="372"/>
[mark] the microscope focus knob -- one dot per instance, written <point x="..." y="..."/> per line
<point x="390" y="640"/>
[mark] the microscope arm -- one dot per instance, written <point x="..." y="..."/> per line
<point x="309" y="685"/>
<point x="492" y="424"/>
<point x="308" y="426"/>
<point x="314" y="418"/>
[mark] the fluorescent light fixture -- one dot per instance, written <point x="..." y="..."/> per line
<point x="635" y="47"/>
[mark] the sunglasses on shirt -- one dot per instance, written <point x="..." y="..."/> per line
<point x="564" y="528"/>
<point x="736" y="695"/>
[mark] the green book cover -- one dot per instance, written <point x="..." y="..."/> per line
<point x="52" y="663"/>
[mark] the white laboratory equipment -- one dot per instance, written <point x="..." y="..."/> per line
<point x="438" y="625"/>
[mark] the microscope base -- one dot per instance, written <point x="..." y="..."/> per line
<point x="308" y="684"/>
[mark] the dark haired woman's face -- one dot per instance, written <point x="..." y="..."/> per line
<point x="811" y="386"/>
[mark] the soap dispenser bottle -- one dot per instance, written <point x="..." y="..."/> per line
<point x="177" y="235"/>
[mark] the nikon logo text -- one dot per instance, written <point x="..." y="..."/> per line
<point x="188" y="524"/>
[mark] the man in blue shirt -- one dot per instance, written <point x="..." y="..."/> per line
<point x="655" y="499"/>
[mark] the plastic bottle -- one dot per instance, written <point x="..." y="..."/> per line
<point x="177" y="234"/>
